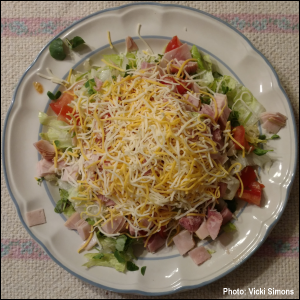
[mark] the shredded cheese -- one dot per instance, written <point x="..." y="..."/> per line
<point x="109" y="40"/>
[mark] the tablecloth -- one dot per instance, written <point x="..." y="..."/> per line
<point x="26" y="26"/>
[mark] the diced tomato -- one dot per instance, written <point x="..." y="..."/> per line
<point x="61" y="107"/>
<point x="162" y="232"/>
<point x="248" y="176"/>
<point x="239" y="136"/>
<point x="252" y="194"/>
<point x="180" y="89"/>
<point x="173" y="44"/>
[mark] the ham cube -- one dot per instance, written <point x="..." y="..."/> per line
<point x="202" y="232"/>
<point x="184" y="242"/>
<point x="221" y="102"/>
<point x="155" y="243"/>
<point x="118" y="223"/>
<point x="181" y="53"/>
<point x="36" y="217"/>
<point x="214" y="223"/>
<point x="131" y="45"/>
<point x="227" y="215"/>
<point x="45" y="148"/>
<point x="44" y="167"/>
<point x="191" y="223"/>
<point x="78" y="223"/>
<point x="70" y="223"/>
<point x="199" y="255"/>
<point x="84" y="230"/>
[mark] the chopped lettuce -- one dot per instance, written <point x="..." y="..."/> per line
<point x="121" y="242"/>
<point x="64" y="205"/>
<point x="104" y="74"/>
<point x="105" y="260"/>
<point x="115" y="59"/>
<point x="229" y="227"/>
<point x="207" y="63"/>
<point x="196" y="54"/>
<point x="56" y="131"/>
<point x="62" y="136"/>
<point x="50" y="121"/>
<point x="243" y="101"/>
<point x="131" y="59"/>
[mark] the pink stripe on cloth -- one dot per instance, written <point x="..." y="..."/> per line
<point x="22" y="249"/>
<point x="279" y="247"/>
<point x="29" y="249"/>
<point x="16" y="27"/>
<point x="264" y="23"/>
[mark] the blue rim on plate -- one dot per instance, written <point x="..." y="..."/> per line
<point x="184" y="287"/>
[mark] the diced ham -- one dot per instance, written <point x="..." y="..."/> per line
<point x="184" y="242"/>
<point x="146" y="65"/>
<point x="218" y="137"/>
<point x="199" y="255"/>
<point x="221" y="100"/>
<point x="107" y="201"/>
<point x="145" y="223"/>
<point x="273" y="122"/>
<point x="202" y="232"/>
<point x="60" y="165"/>
<point x="70" y="223"/>
<point x="70" y="172"/>
<point x="214" y="223"/>
<point x="180" y="53"/>
<point x="223" y="188"/>
<point x="118" y="223"/>
<point x="78" y="223"/>
<point x="207" y="110"/>
<point x="221" y="158"/>
<point x="44" y="167"/>
<point x="193" y="100"/>
<point x="155" y="243"/>
<point x="131" y="45"/>
<point x="195" y="88"/>
<point x="99" y="83"/>
<point x="190" y="67"/>
<point x="231" y="149"/>
<point x="191" y="223"/>
<point x="36" y="217"/>
<point x="84" y="230"/>
<point x="226" y="215"/>
<point x="45" y="148"/>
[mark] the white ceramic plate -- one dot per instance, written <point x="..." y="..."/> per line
<point x="167" y="272"/>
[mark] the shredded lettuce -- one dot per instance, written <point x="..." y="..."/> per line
<point x="229" y="227"/>
<point x="196" y="54"/>
<point x="104" y="74"/>
<point x="56" y="132"/>
<point x="62" y="136"/>
<point x="131" y="56"/>
<point x="50" y="121"/>
<point x="105" y="260"/>
<point x="115" y="59"/>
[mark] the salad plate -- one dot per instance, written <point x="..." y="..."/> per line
<point x="232" y="54"/>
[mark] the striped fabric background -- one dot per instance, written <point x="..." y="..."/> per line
<point x="26" y="270"/>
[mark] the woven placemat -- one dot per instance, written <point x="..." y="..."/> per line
<point x="26" y="271"/>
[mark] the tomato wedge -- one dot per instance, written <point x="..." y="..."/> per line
<point x="173" y="44"/>
<point x="180" y="89"/>
<point x="252" y="194"/>
<point x="248" y="176"/>
<point x="61" y="107"/>
<point x="239" y="135"/>
<point x="162" y="232"/>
